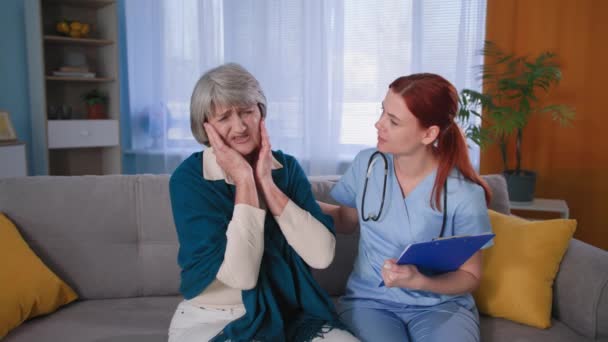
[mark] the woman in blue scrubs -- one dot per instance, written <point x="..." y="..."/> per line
<point x="425" y="152"/>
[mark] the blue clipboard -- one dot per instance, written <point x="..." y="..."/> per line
<point x="442" y="255"/>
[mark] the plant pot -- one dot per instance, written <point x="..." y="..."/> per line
<point x="96" y="111"/>
<point x="520" y="185"/>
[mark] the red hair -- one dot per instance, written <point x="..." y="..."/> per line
<point x="434" y="102"/>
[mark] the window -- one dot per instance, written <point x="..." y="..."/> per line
<point x="324" y="65"/>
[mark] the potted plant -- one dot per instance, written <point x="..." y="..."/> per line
<point x="96" y="104"/>
<point x="512" y="88"/>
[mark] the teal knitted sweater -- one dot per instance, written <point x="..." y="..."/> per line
<point x="287" y="304"/>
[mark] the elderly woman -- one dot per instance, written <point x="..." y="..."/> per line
<point x="245" y="274"/>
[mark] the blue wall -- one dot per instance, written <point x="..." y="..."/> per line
<point x="13" y="69"/>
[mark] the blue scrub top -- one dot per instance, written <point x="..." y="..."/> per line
<point x="403" y="221"/>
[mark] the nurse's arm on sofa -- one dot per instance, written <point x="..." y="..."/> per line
<point x="346" y="219"/>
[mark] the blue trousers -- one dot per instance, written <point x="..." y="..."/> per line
<point x="448" y="321"/>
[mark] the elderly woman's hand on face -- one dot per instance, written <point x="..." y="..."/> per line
<point x="232" y="162"/>
<point x="263" y="164"/>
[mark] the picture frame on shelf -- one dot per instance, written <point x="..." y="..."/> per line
<point x="7" y="131"/>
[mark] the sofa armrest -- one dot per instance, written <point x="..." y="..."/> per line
<point x="580" y="297"/>
<point x="500" y="194"/>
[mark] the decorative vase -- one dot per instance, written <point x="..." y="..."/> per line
<point x="96" y="111"/>
<point x="520" y="185"/>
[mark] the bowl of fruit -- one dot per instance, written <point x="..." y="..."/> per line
<point x="73" y="28"/>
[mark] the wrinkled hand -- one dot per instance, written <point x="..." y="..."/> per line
<point x="263" y="165"/>
<point x="232" y="162"/>
<point x="401" y="276"/>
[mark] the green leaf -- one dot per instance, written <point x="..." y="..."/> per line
<point x="510" y="97"/>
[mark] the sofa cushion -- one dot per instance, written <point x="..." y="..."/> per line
<point x="158" y="246"/>
<point x="83" y="227"/>
<point x="500" y="194"/>
<point x="518" y="271"/>
<point x="580" y="292"/>
<point x="107" y="236"/>
<point x="321" y="187"/>
<point x="333" y="279"/>
<point x="27" y="287"/>
<point x="502" y="330"/>
<point x="144" y="319"/>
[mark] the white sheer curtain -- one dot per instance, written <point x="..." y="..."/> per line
<point x="324" y="66"/>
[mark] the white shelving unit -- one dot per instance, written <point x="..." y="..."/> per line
<point x="75" y="146"/>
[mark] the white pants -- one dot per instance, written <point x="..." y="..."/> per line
<point x="191" y="323"/>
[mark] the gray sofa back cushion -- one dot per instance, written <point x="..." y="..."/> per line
<point x="106" y="236"/>
<point x="158" y="244"/>
<point x="114" y="237"/>
<point x="500" y="195"/>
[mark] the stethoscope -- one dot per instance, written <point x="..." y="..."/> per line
<point x="375" y="217"/>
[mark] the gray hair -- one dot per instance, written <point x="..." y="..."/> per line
<point x="226" y="85"/>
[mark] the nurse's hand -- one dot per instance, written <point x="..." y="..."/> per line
<point x="401" y="276"/>
<point x="231" y="161"/>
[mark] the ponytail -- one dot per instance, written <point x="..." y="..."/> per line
<point x="433" y="100"/>
<point x="452" y="151"/>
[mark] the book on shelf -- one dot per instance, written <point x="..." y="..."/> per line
<point x="69" y="68"/>
<point x="74" y="74"/>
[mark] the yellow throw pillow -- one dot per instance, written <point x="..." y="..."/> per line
<point x="518" y="271"/>
<point x="27" y="287"/>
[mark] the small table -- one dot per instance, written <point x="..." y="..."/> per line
<point x="13" y="161"/>
<point x="544" y="204"/>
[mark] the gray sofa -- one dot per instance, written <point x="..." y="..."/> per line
<point x="113" y="240"/>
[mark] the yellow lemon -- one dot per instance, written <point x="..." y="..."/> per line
<point x="75" y="34"/>
<point x="62" y="27"/>
<point x="85" y="29"/>
<point x="75" y="26"/>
